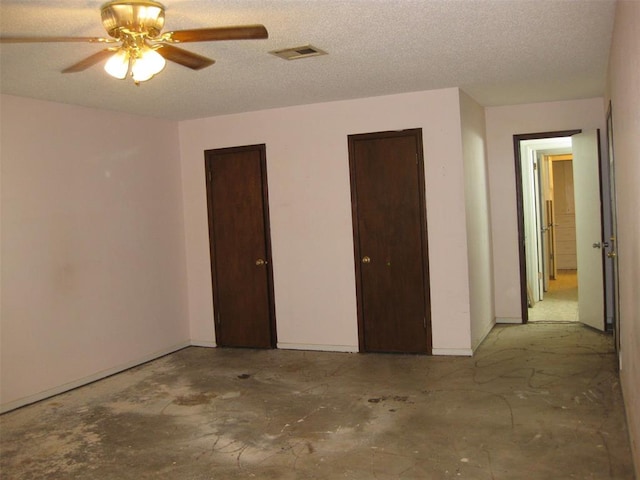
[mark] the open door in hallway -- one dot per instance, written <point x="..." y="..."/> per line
<point x="240" y="247"/>
<point x="389" y="222"/>
<point x="586" y="191"/>
<point x="589" y="244"/>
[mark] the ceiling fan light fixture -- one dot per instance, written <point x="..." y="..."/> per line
<point x="146" y="65"/>
<point x="118" y="64"/>
<point x="143" y="50"/>
<point x="139" y="16"/>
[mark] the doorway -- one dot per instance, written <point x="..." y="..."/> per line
<point x="554" y="172"/>
<point x="553" y="290"/>
<point x="390" y="241"/>
<point x="240" y="246"/>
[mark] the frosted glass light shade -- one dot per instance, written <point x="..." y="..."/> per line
<point x="118" y="65"/>
<point x="147" y="65"/>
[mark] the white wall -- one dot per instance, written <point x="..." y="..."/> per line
<point x="310" y="208"/>
<point x="624" y="82"/>
<point x="501" y="124"/>
<point x="478" y="219"/>
<point x="93" y="269"/>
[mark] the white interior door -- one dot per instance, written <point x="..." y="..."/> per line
<point x="586" y="178"/>
<point x="540" y="227"/>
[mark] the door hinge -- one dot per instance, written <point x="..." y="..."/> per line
<point x="209" y="175"/>
<point x="424" y="320"/>
<point x="218" y="318"/>
<point x="535" y="166"/>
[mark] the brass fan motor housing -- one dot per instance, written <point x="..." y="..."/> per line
<point x="125" y="17"/>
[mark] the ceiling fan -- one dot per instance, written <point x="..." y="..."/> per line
<point x="140" y="48"/>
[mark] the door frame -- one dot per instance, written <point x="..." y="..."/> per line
<point x="261" y="148"/>
<point x="524" y="303"/>
<point x="614" y="295"/>
<point x="417" y="134"/>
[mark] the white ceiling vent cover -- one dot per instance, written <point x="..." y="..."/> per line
<point x="296" y="53"/>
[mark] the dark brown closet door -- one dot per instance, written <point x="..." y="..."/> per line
<point x="240" y="247"/>
<point x="387" y="182"/>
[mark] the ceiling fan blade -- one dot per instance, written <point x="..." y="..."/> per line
<point x="89" y="61"/>
<point x="183" y="57"/>
<point x="242" y="32"/>
<point x="55" y="39"/>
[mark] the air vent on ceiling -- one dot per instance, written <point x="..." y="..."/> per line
<point x="296" y="53"/>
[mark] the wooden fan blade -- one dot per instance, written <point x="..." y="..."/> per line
<point x="242" y="32"/>
<point x="183" y="57"/>
<point x="89" y="61"/>
<point x="55" y="39"/>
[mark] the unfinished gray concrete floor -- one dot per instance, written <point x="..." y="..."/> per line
<point x="539" y="401"/>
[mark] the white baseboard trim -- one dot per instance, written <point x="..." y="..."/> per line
<point x="508" y="320"/>
<point x="453" y="352"/>
<point x="319" y="348"/>
<point x="6" y="407"/>
<point x="21" y="402"/>
<point x="487" y="330"/>
<point x="197" y="343"/>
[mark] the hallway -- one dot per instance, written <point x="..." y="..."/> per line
<point x="537" y="402"/>
<point x="560" y="302"/>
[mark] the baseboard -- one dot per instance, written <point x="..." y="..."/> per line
<point x="633" y="423"/>
<point x="320" y="348"/>
<point x="90" y="379"/>
<point x="512" y="320"/>
<point x="487" y="330"/>
<point x="6" y="407"/>
<point x="197" y="343"/>
<point x="452" y="352"/>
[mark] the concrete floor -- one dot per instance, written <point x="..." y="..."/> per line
<point x="539" y="401"/>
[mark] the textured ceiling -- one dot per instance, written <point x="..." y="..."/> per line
<point x="499" y="51"/>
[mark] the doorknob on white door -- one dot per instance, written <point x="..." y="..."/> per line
<point x="596" y="245"/>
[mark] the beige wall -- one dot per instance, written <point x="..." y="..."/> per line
<point x="501" y="124"/>
<point x="624" y="88"/>
<point x="93" y="269"/>
<point x="310" y="208"/>
<point x="478" y="219"/>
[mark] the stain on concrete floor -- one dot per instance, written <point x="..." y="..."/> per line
<point x="538" y="401"/>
